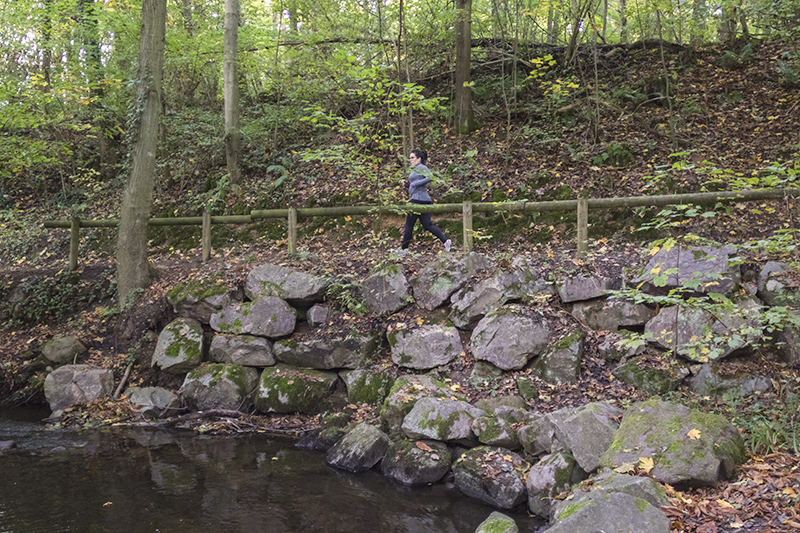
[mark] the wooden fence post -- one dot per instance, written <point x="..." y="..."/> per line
<point x="583" y="226"/>
<point x="74" y="240"/>
<point x="466" y="215"/>
<point x="206" y="236"/>
<point x="292" y="236"/>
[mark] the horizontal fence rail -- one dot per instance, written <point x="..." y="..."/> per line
<point x="467" y="209"/>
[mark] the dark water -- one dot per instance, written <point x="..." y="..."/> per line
<point x="123" y="479"/>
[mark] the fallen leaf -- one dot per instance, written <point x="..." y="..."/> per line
<point x="624" y="468"/>
<point x="424" y="447"/>
<point x="646" y="464"/>
<point x="694" y="434"/>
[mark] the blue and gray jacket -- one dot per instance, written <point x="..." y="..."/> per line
<point x="418" y="183"/>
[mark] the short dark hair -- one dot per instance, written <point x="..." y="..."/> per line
<point x="422" y="154"/>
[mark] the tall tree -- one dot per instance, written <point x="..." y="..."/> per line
<point x="132" y="265"/>
<point x="231" y="89"/>
<point x="464" y="116"/>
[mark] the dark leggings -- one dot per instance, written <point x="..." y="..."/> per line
<point x="427" y="223"/>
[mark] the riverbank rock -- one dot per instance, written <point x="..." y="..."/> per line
<point x="588" y="432"/>
<point x="611" y="314"/>
<point x="405" y="393"/>
<point x="199" y="299"/>
<point x="153" y="402"/>
<point x="327" y="354"/>
<point x="561" y="362"/>
<point x="298" y="289"/>
<point x="508" y="339"/>
<point x="416" y="462"/>
<point x="366" y="386"/>
<point x="552" y="475"/>
<point x="61" y="350"/>
<point x="778" y="284"/>
<point x="179" y="347"/>
<point x="688" y="447"/>
<point x="74" y="384"/>
<point x="495" y="476"/>
<point x="497" y="523"/>
<point x="651" y="381"/>
<point x="441" y="419"/>
<point x="538" y="437"/>
<point x="287" y="389"/>
<point x="245" y="350"/>
<point x="424" y="347"/>
<point x="584" y="287"/>
<point x="614" y="512"/>
<point x="268" y="316"/>
<point x="386" y="291"/>
<point x="443" y="276"/>
<point x="710" y="381"/>
<point x="699" y="335"/>
<point x="219" y="386"/>
<point x="493" y="430"/>
<point x="360" y="449"/>
<point x="706" y="269"/>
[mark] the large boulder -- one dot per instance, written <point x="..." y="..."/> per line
<point x="688" y="447"/>
<point x="712" y="380"/>
<point x="584" y="287"/>
<point x="199" y="299"/>
<point x="348" y="351"/>
<point x="443" y="276"/>
<point x="366" y="386"/>
<point x="361" y="449"/>
<point x="441" y="419"/>
<point x="219" y="386"/>
<point x="614" y="512"/>
<point x="425" y="347"/>
<point x="588" y="432"/>
<point x="494" y="430"/>
<point x="650" y="380"/>
<point x="611" y="314"/>
<point x="698" y="335"/>
<point x="179" y="347"/>
<point x="561" y="363"/>
<point x="498" y="523"/>
<point x="287" y="389"/>
<point x="539" y="437"/>
<point x="416" y="462"/>
<point x="245" y="350"/>
<point x="269" y="316"/>
<point x="779" y="284"/>
<point x="299" y="289"/>
<point x="509" y="339"/>
<point x="705" y="269"/>
<point x="495" y="476"/>
<point x="641" y="488"/>
<point x="61" y="349"/>
<point x="552" y="475"/>
<point x="386" y="292"/>
<point x="405" y="393"/>
<point x="153" y="402"/>
<point x="76" y="384"/>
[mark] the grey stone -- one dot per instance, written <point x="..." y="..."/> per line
<point x="318" y="314"/>
<point x="76" y="384"/>
<point x="386" y="292"/>
<point x="287" y="389"/>
<point x="508" y="339"/>
<point x="153" y="402"/>
<point x="416" y="462"/>
<point x="561" y="363"/>
<point x="588" y="432"/>
<point x="405" y="393"/>
<point x="584" y="287"/>
<point x="62" y="349"/>
<point x="220" y="386"/>
<point x="425" y="347"/>
<point x="498" y="523"/>
<point x="360" y="449"/>
<point x="245" y="350"/>
<point x="444" y="275"/>
<point x="614" y="512"/>
<point x="299" y="289"/>
<point x="779" y="284"/>
<point x="179" y="347"/>
<point x="711" y="382"/>
<point x="441" y="419"/>
<point x="367" y="386"/>
<point x="611" y="314"/>
<point x="495" y="431"/>
<point x="651" y="381"/>
<point x="266" y="317"/>
<point x="705" y="267"/>
<point x="350" y="351"/>
<point x="485" y="474"/>
<point x="552" y="475"/>
<point x="539" y="437"/>
<point x="199" y="299"/>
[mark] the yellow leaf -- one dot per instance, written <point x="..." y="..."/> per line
<point x="694" y="434"/>
<point x="646" y="464"/>
<point x="789" y="491"/>
<point x="488" y="183"/>
<point x="724" y="504"/>
<point x="455" y="386"/>
<point x="507" y="457"/>
<point x="419" y="321"/>
<point x="107" y="504"/>
<point x="348" y="218"/>
<point x="654" y="250"/>
<point x="625" y="468"/>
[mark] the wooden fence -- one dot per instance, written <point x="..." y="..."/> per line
<point x="467" y="210"/>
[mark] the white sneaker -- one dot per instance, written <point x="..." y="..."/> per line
<point x="447" y="244"/>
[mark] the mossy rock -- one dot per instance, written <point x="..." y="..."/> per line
<point x="288" y="389"/>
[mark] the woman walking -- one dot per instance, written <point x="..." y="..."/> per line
<point x="418" y="181"/>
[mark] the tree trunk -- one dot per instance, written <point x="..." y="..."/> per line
<point x="464" y="117"/>
<point x="132" y="265"/>
<point x="231" y="89"/>
<point x="623" y="22"/>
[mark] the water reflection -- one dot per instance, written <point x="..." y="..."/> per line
<point x="137" y="479"/>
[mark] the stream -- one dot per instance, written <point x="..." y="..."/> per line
<point x="141" y="479"/>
